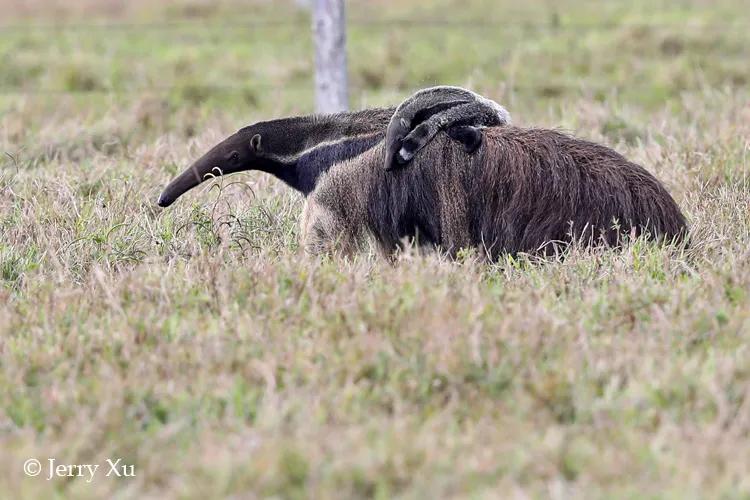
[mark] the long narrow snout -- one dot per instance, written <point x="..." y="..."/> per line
<point x="184" y="182"/>
<point x="224" y="158"/>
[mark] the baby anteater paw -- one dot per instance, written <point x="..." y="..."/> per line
<point x="413" y="142"/>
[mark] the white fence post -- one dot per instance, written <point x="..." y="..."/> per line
<point x="331" y="82"/>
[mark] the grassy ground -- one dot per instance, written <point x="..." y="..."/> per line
<point x="200" y="345"/>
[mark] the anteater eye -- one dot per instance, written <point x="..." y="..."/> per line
<point x="234" y="157"/>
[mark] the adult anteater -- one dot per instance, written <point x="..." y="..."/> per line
<point x="523" y="190"/>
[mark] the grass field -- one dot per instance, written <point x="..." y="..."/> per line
<point x="202" y="346"/>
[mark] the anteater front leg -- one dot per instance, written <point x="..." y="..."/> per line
<point x="322" y="231"/>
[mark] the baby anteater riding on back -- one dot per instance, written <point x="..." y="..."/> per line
<point x="420" y="117"/>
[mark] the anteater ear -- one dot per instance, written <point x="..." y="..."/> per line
<point x="255" y="144"/>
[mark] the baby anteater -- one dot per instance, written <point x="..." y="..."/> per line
<point x="428" y="111"/>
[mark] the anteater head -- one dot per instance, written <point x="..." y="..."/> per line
<point x="240" y="151"/>
<point x="270" y="146"/>
<point x="296" y="149"/>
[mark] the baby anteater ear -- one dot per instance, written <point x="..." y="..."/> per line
<point x="255" y="144"/>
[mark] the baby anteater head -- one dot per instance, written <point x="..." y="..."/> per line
<point x="397" y="131"/>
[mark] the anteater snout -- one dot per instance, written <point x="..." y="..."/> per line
<point x="165" y="201"/>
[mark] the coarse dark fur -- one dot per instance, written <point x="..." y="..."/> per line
<point x="426" y="112"/>
<point x="524" y="190"/>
